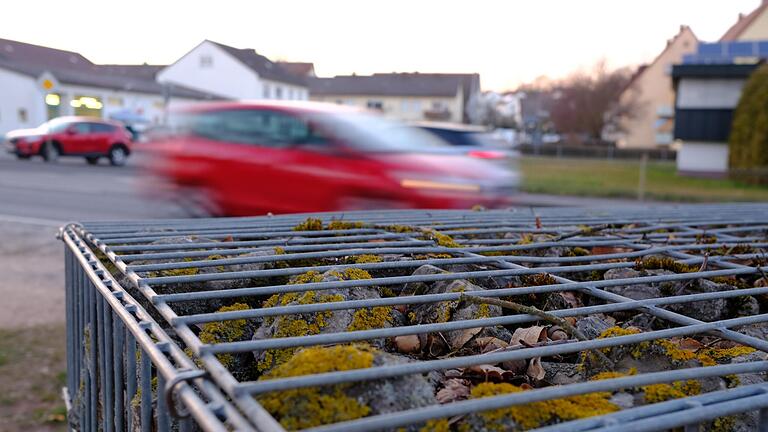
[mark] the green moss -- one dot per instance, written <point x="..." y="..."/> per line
<point x="483" y="311"/>
<point x="723" y="424"/>
<point x="576" y="251"/>
<point x="538" y="279"/>
<point x="366" y="259"/>
<point x="310" y="224"/>
<point x="664" y="263"/>
<point x="397" y="228"/>
<point x="342" y="225"/>
<point x="441" y="239"/>
<point x="315" y="406"/>
<point x="537" y="414"/>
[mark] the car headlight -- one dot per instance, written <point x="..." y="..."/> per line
<point x="412" y="183"/>
<point x="31" y="139"/>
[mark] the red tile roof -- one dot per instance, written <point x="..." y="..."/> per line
<point x="743" y="23"/>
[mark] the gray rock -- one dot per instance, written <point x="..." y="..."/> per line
<point x="643" y="321"/>
<point x="706" y="310"/>
<point x="635" y="292"/>
<point x="561" y="373"/>
<point x="623" y="400"/>
<point x="593" y="325"/>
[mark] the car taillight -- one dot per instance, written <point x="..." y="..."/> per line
<point x="486" y="154"/>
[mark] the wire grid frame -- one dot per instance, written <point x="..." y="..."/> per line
<point x="150" y="254"/>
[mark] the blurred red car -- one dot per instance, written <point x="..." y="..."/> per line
<point x="87" y="137"/>
<point x="285" y="157"/>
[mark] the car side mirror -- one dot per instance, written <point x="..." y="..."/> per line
<point x="71" y="130"/>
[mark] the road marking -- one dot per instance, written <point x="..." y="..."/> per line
<point x="31" y="220"/>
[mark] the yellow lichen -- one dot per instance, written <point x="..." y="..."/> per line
<point x="538" y="414"/>
<point x="371" y="318"/>
<point x="225" y="331"/>
<point x="295" y="325"/>
<point x="433" y="256"/>
<point x="483" y="311"/>
<point x="712" y="356"/>
<point x="441" y="425"/>
<point x="663" y="392"/>
<point x="397" y="228"/>
<point x="613" y="374"/>
<point x="664" y="263"/>
<point x="311" y="224"/>
<point x="279" y="250"/>
<point x="366" y="259"/>
<point x="190" y="271"/>
<point x="309" y="277"/>
<point x="525" y="239"/>
<point x="723" y="424"/>
<point x="441" y="239"/>
<point x="342" y="225"/>
<point x="352" y="273"/>
<point x="315" y="406"/>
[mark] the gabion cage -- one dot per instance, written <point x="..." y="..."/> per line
<point x="556" y="319"/>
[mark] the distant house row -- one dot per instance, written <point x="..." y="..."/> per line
<point x="39" y="83"/>
<point x="687" y="95"/>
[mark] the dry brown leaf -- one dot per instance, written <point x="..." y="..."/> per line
<point x="529" y="336"/>
<point x="465" y="336"/>
<point x="535" y="369"/>
<point x="490" y="343"/>
<point x="538" y="222"/>
<point x="408" y="344"/>
<point x="690" y="344"/>
<point x="491" y="371"/>
<point x="455" y="389"/>
<point x="516" y="367"/>
<point x="607" y="250"/>
<point x="570" y="299"/>
<point x="401" y="308"/>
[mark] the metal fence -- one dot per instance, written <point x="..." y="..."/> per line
<point x="597" y="152"/>
<point x="118" y="342"/>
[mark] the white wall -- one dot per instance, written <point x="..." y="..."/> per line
<point x="708" y="93"/>
<point x="20" y="92"/>
<point x="225" y="76"/>
<point x="704" y="158"/>
<point x="288" y="91"/>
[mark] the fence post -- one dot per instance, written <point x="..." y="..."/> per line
<point x="641" y="181"/>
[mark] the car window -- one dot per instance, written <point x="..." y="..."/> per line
<point x="259" y="127"/>
<point x="81" y="128"/>
<point x="101" y="127"/>
<point x="57" y="127"/>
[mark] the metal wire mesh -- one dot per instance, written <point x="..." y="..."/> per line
<point x="183" y="271"/>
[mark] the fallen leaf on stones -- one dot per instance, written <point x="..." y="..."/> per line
<point x="529" y="336"/>
<point x="455" y="389"/>
<point x="488" y="344"/>
<point x="228" y="239"/>
<point x="535" y="369"/>
<point x="538" y="222"/>
<point x="408" y="344"/>
<point x="465" y="336"/>
<point x="517" y="367"/>
<point x="607" y="250"/>
<point x="570" y="299"/>
<point x="690" y="344"/>
<point x="490" y="371"/>
<point x="526" y="386"/>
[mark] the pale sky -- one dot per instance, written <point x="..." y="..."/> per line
<point x="506" y="41"/>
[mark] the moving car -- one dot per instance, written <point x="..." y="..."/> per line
<point x="86" y="137"/>
<point x="476" y="141"/>
<point x="245" y="158"/>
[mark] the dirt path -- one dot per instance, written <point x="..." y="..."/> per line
<point x="32" y="352"/>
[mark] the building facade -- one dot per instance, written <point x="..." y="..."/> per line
<point x="404" y="96"/>
<point x="233" y="73"/>
<point x="650" y="92"/>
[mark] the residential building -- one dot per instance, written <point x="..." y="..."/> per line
<point x="405" y="96"/>
<point x="651" y="94"/>
<point x="233" y="73"/>
<point x="303" y="69"/>
<point x="38" y="83"/>
<point x="750" y="27"/>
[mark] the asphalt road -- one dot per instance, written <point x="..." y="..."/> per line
<point x="36" y="192"/>
<point x="39" y="193"/>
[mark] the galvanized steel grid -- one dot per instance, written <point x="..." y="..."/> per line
<point x="674" y="231"/>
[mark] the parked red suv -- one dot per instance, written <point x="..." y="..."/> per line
<point x="73" y="136"/>
<point x="283" y="157"/>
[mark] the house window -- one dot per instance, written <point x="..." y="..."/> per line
<point x="439" y="106"/>
<point x="267" y="92"/>
<point x="375" y="105"/>
<point x="22" y="115"/>
<point x="278" y="92"/>
<point x="290" y="93"/>
<point x="206" y="61"/>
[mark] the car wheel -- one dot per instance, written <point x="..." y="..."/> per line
<point x="118" y="156"/>
<point x="50" y="152"/>
<point x="22" y="157"/>
<point x="92" y="160"/>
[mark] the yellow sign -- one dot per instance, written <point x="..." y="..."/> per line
<point x="47" y="84"/>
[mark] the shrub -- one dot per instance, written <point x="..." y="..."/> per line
<point x="748" y="142"/>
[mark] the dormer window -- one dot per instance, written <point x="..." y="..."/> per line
<point x="206" y="61"/>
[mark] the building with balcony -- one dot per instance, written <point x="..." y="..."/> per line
<point x="404" y="96"/>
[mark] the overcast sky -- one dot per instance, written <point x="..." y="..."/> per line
<point x="506" y="41"/>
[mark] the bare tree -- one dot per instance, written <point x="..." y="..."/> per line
<point x="586" y="104"/>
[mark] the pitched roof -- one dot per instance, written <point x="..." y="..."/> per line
<point x="394" y="84"/>
<point x="298" y="68"/>
<point x="263" y="66"/>
<point x="72" y="68"/>
<point x="743" y="23"/>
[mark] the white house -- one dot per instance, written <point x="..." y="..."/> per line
<point x="39" y="83"/>
<point x="233" y="73"/>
